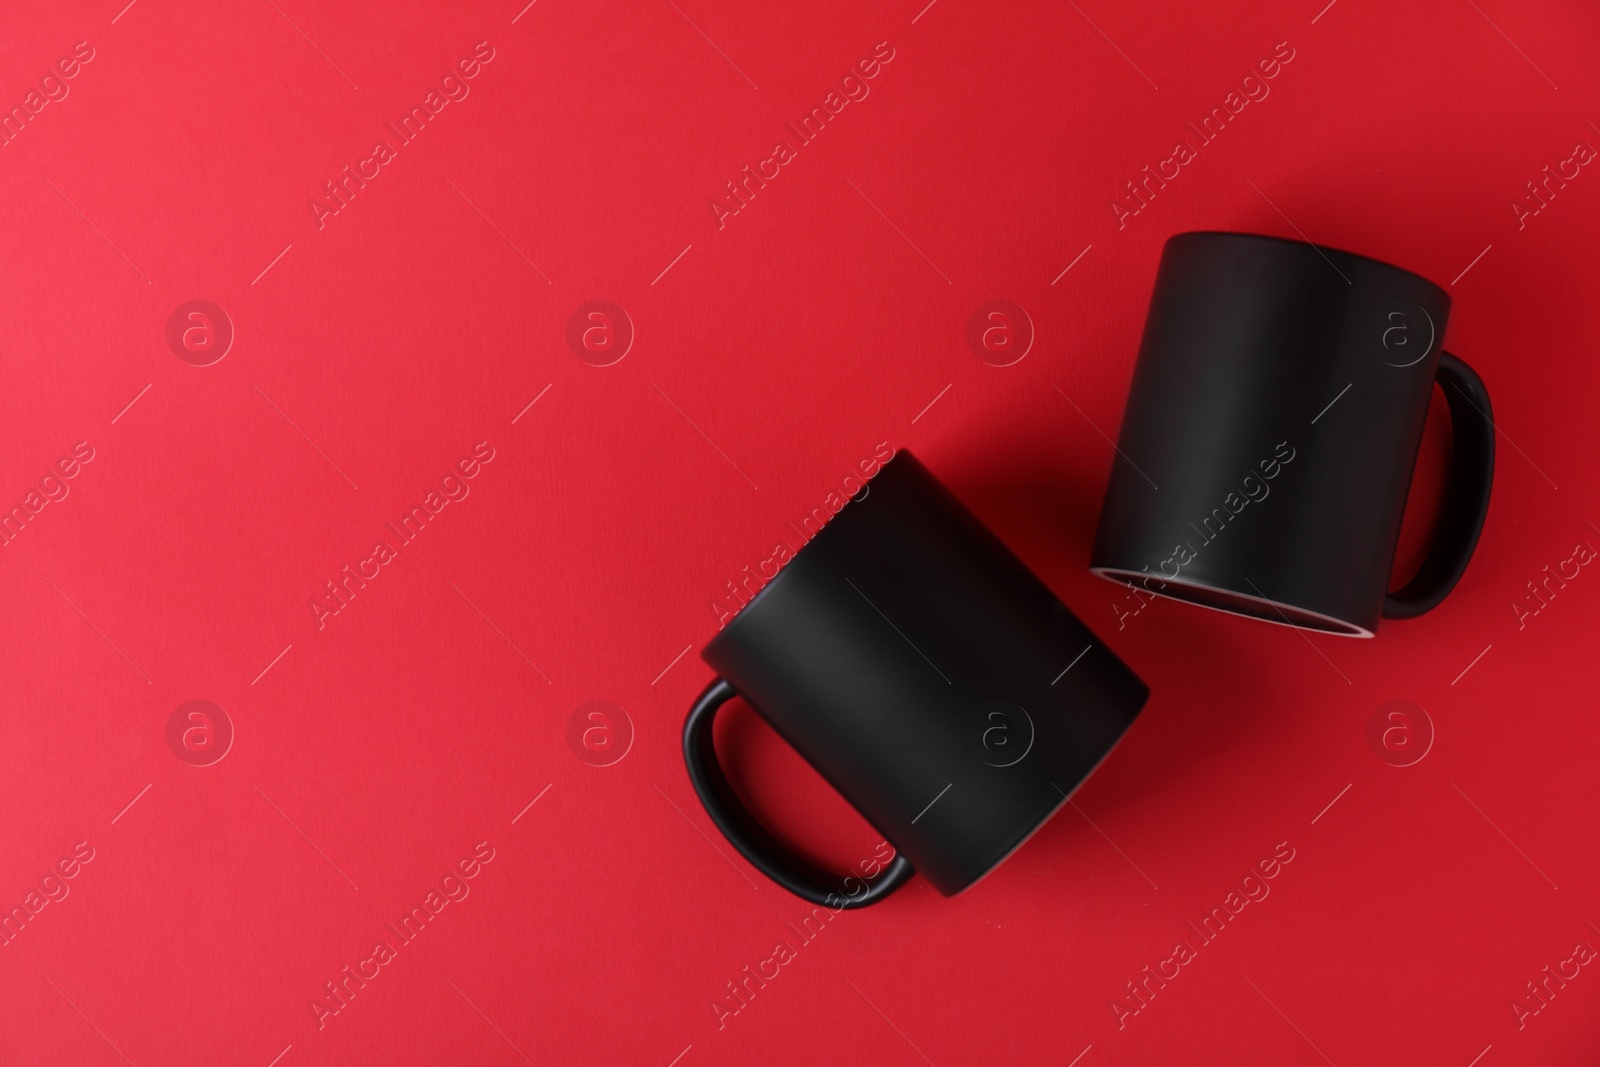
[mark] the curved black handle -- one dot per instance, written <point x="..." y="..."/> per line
<point x="753" y="840"/>
<point x="1466" y="495"/>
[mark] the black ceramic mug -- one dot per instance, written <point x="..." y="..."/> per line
<point x="926" y="673"/>
<point x="1272" y="427"/>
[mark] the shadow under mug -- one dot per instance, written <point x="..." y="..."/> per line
<point x="1271" y="431"/>
<point x="928" y="675"/>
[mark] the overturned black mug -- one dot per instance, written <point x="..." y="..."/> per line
<point x="1270" y="434"/>
<point x="926" y="673"/>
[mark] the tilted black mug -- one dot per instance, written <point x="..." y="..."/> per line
<point x="1271" y="431"/>
<point x="926" y="673"/>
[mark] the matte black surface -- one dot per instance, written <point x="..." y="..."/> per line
<point x="1274" y="420"/>
<point x="1466" y="497"/>
<point x="924" y="671"/>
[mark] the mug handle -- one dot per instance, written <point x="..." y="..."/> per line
<point x="1466" y="496"/>
<point x="754" y="841"/>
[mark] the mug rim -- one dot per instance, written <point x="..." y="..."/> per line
<point x="1311" y="620"/>
<point x="1325" y="249"/>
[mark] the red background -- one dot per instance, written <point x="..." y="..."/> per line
<point x="824" y="317"/>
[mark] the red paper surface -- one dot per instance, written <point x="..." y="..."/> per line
<point x="377" y="748"/>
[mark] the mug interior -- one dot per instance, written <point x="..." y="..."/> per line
<point x="1234" y="603"/>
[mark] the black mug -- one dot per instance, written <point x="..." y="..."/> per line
<point x="1271" y="431"/>
<point x="926" y="673"/>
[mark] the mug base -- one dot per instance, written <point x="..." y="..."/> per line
<point x="1053" y="812"/>
<point x="1234" y="603"/>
